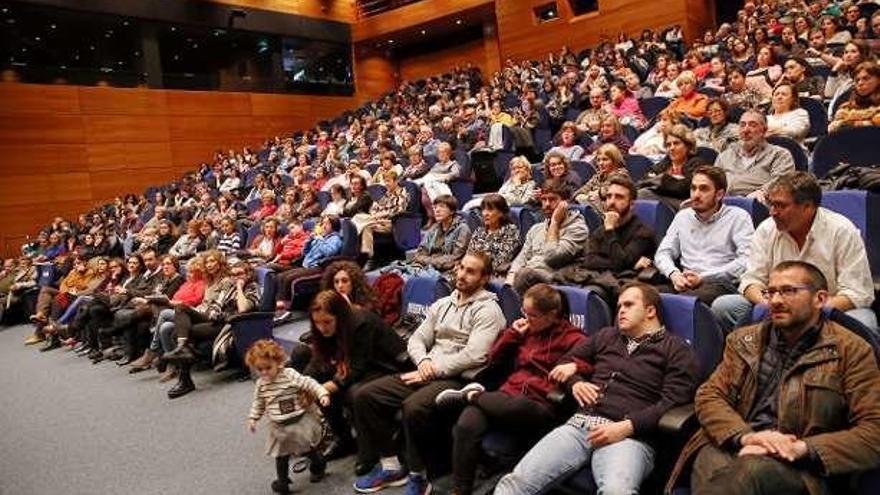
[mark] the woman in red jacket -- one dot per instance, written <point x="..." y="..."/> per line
<point x="531" y="347"/>
<point x="290" y="248"/>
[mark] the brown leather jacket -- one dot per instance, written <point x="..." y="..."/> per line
<point x="830" y="398"/>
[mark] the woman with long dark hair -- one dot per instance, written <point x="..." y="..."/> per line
<point x="348" y="279"/>
<point x="349" y="346"/>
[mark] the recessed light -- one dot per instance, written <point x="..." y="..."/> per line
<point x="458" y="21"/>
<point x="390" y="41"/>
<point x="52" y="26"/>
<point x="423" y="31"/>
<point x="36" y="38"/>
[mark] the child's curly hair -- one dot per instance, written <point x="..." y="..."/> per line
<point x="265" y="351"/>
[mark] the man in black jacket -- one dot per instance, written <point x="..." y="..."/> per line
<point x="640" y="371"/>
<point x="622" y="246"/>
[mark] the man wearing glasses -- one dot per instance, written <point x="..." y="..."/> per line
<point x="793" y="406"/>
<point x="799" y="229"/>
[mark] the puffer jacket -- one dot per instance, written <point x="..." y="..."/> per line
<point x="457" y="335"/>
<point x="534" y="355"/>
<point x="830" y="399"/>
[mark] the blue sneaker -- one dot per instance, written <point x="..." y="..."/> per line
<point x="418" y="485"/>
<point x="379" y="479"/>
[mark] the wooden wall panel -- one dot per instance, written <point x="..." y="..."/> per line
<point x="335" y="10"/>
<point x="520" y="36"/>
<point x="414" y="14"/>
<point x="67" y="149"/>
<point x="376" y="74"/>
<point x="438" y="62"/>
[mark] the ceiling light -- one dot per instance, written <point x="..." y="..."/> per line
<point x="458" y="21"/>
<point x="424" y="32"/>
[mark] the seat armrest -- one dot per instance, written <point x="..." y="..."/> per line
<point x="252" y="316"/>
<point x="678" y="420"/>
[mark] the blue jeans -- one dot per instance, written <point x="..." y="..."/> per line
<point x="729" y="310"/>
<point x="164" y="336"/>
<point x="619" y="468"/>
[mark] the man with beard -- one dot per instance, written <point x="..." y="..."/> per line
<point x="752" y="163"/>
<point x="799" y="229"/>
<point x="448" y="349"/>
<point x="558" y="241"/>
<point x="623" y="244"/>
<point x="707" y="246"/>
<point x="793" y="406"/>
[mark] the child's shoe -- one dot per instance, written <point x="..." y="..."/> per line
<point x="418" y="484"/>
<point x="379" y="479"/>
<point x="281" y="486"/>
<point x="317" y="467"/>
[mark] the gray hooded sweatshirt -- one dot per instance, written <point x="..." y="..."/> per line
<point x="457" y="336"/>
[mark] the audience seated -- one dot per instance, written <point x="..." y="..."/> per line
<point x="752" y="163"/>
<point x="382" y="212"/>
<point x="785" y="117"/>
<point x="690" y="102"/>
<point x="610" y="132"/>
<point x="720" y="132"/>
<point x="520" y="189"/>
<point x="652" y="142"/>
<point x="638" y="372"/>
<point x="607" y="161"/>
<point x="568" y="147"/>
<point x="450" y="346"/>
<point x="763" y="430"/>
<point x="556" y="242"/>
<point x="669" y="180"/>
<point x="863" y="107"/>
<point x="705" y="250"/>
<point x="800" y="229"/>
<point x="442" y="245"/>
<point x="497" y="236"/>
<point x="523" y="354"/>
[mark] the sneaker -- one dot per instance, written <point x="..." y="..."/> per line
<point x="452" y="397"/>
<point x="34" y="339"/>
<point x="281" y="317"/>
<point x="379" y="479"/>
<point x="418" y="484"/>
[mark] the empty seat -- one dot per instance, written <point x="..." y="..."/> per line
<point x="587" y="310"/>
<point x="863" y="210"/>
<point x="856" y="146"/>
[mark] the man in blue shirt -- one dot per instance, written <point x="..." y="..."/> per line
<point x="707" y="246"/>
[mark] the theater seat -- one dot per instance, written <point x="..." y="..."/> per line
<point x="584" y="170"/>
<point x="638" y="166"/>
<point x="655" y="214"/>
<point x="587" y="310"/>
<point x="591" y="216"/>
<point x="418" y="294"/>
<point x="801" y="162"/>
<point x="755" y="208"/>
<point x="250" y="327"/>
<point x="856" y="146"/>
<point x="863" y="210"/>
<point x="651" y="107"/>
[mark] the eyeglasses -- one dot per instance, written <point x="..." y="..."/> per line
<point x="237" y="273"/>
<point x="786" y="291"/>
<point x="530" y="315"/>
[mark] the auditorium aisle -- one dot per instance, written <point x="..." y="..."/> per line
<point x="67" y="426"/>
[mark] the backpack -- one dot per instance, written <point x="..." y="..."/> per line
<point x="389" y="292"/>
<point x="846" y="176"/>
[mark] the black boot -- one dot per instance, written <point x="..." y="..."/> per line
<point x="183" y="352"/>
<point x="184" y="384"/>
<point x="282" y="471"/>
<point x="317" y="467"/>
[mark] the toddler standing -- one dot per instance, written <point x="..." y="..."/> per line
<point x="288" y="398"/>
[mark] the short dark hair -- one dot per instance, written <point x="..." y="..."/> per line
<point x="802" y="186"/>
<point x="818" y="281"/>
<point x="650" y="296"/>
<point x="485" y="258"/>
<point x="557" y="187"/>
<point x="715" y="174"/>
<point x="448" y="200"/>
<point x="497" y="202"/>
<point x="623" y="180"/>
<point x="546" y="299"/>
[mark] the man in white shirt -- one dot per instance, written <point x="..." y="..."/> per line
<point x="799" y="229"/>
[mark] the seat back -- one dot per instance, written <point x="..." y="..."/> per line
<point x="691" y="320"/>
<point x="856" y="146"/>
<point x="861" y="208"/>
<point x="756" y="209"/>
<point x="525" y="217"/>
<point x="508" y="299"/>
<point x="266" y="281"/>
<point x="376" y="191"/>
<point x="46" y="274"/>
<point x="253" y="205"/>
<point x="818" y="116"/>
<point x="707" y="154"/>
<point x="655" y="214"/>
<point x="592" y="217"/>
<point x="801" y="162"/>
<point x="652" y="107"/>
<point x="587" y="310"/>
<point x="350" y="242"/>
<point x="419" y="293"/>
<point x="584" y="170"/>
<point x="637" y="166"/>
<point x="323" y="198"/>
<point x="415" y="196"/>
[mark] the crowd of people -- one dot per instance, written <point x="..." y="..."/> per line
<point x="148" y="281"/>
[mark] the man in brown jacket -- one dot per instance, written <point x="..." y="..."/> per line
<point x="794" y="405"/>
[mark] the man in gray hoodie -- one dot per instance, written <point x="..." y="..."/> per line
<point x="561" y="239"/>
<point x="448" y="348"/>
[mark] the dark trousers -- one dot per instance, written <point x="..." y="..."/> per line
<point x="97" y="316"/>
<point x="284" y="281"/>
<point x="527" y="277"/>
<point x="500" y="411"/>
<point x="375" y="405"/>
<point x="134" y="323"/>
<point x="706" y="292"/>
<point x="716" y="472"/>
<point x="192" y="325"/>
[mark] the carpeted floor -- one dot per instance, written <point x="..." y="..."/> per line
<point x="67" y="426"/>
